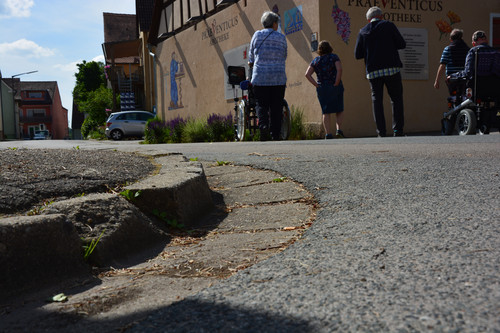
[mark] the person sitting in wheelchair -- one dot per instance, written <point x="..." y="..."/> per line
<point x="480" y="44"/>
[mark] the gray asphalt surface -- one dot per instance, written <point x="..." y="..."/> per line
<point x="407" y="239"/>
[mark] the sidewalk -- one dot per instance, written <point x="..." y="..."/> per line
<point x="257" y="214"/>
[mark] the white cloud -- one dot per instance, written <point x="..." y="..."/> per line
<point x="26" y="48"/>
<point x="99" y="58"/>
<point x="71" y="67"/>
<point x="16" y="8"/>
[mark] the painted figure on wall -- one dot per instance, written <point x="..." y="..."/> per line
<point x="174" y="96"/>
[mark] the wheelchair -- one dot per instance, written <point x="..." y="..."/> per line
<point x="246" y="120"/>
<point x="474" y="106"/>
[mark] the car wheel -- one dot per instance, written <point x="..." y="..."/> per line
<point x="116" y="134"/>
<point x="466" y="122"/>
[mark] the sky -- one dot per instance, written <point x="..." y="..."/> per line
<point x="52" y="37"/>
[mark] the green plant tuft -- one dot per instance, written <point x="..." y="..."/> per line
<point x="90" y="247"/>
<point x="195" y="130"/>
<point x="297" y="128"/>
<point x="130" y="195"/>
<point x="38" y="210"/>
<point x="169" y="222"/>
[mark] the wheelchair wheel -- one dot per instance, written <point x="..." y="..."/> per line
<point x="286" y="121"/>
<point x="466" y="122"/>
<point x="241" y="121"/>
<point x="484" y="129"/>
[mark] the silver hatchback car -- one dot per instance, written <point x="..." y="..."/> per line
<point x="127" y="123"/>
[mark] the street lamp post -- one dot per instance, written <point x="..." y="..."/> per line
<point x="14" y="92"/>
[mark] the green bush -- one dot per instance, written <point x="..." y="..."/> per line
<point x="215" y="128"/>
<point x="195" y="130"/>
<point x="220" y="128"/>
<point x="156" y="131"/>
<point x="97" y="134"/>
<point x="297" y="128"/>
<point x="90" y="125"/>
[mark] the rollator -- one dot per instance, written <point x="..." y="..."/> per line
<point x="246" y="120"/>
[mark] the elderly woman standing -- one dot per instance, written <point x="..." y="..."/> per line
<point x="268" y="52"/>
<point x="329" y="88"/>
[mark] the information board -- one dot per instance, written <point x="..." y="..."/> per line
<point x="415" y="56"/>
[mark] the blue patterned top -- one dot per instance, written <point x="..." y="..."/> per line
<point x="268" y="52"/>
<point x="324" y="67"/>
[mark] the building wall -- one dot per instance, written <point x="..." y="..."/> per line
<point x="9" y="122"/>
<point x="59" y="117"/>
<point x="191" y="66"/>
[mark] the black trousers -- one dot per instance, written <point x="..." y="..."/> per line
<point x="269" y="100"/>
<point x="395" y="89"/>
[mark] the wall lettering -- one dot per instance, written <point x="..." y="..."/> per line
<point x="219" y="32"/>
<point x="412" y="6"/>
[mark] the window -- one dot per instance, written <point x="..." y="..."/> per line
<point x="36" y="112"/>
<point x="35" y="94"/>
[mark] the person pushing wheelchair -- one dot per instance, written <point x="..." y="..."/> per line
<point x="267" y="57"/>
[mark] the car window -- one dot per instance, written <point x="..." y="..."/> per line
<point x="121" y="117"/>
<point x="145" y="116"/>
<point x="133" y="116"/>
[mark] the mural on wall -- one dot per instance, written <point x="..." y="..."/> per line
<point x="175" y="75"/>
<point x="293" y="20"/>
<point x="444" y="27"/>
<point x="343" y="22"/>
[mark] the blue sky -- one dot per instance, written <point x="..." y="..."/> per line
<point x="52" y="37"/>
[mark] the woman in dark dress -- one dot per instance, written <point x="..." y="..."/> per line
<point x="329" y="88"/>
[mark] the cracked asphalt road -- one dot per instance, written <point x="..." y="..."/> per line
<point x="406" y="240"/>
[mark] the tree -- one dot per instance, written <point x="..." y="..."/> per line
<point x="91" y="95"/>
<point x="90" y="77"/>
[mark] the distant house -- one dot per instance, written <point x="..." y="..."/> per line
<point x="40" y="109"/>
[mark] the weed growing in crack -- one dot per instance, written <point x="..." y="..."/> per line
<point x="90" y="247"/>
<point x="39" y="209"/>
<point x="169" y="222"/>
<point x="130" y="195"/>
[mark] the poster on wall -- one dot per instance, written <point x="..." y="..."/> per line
<point x="235" y="57"/>
<point x="294" y="20"/>
<point x="415" y="56"/>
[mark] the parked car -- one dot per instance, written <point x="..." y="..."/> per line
<point x="41" y="135"/>
<point x="127" y="124"/>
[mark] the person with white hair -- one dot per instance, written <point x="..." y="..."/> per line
<point x="267" y="57"/>
<point x="378" y="44"/>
